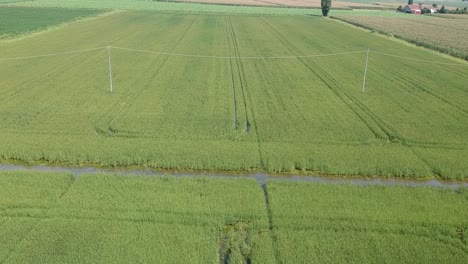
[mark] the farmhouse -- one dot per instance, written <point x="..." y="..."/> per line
<point x="417" y="9"/>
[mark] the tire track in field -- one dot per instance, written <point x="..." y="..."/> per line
<point x="240" y="68"/>
<point x="434" y="93"/>
<point x="21" y="241"/>
<point x="51" y="92"/>
<point x="112" y="114"/>
<point x="69" y="186"/>
<point x="28" y="86"/>
<point x="457" y="107"/>
<point x="245" y="93"/>
<point x="230" y="47"/>
<point x="338" y="90"/>
<point x="396" y="228"/>
<point x="55" y="88"/>
<point x="327" y="79"/>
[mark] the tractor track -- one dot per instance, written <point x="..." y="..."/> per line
<point x="334" y="86"/>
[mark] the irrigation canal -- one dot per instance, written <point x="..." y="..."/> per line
<point x="261" y="178"/>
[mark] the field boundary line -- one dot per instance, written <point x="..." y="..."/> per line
<point x="420" y="60"/>
<point x="50" y="54"/>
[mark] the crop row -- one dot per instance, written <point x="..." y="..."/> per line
<point x="446" y="35"/>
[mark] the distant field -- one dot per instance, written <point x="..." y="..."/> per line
<point x="448" y="34"/>
<point x="281" y="3"/>
<point x="56" y="218"/>
<point x="167" y="6"/>
<point x="265" y="9"/>
<point x="21" y="20"/>
<point x="208" y="113"/>
<point x="320" y="223"/>
<point x="53" y="218"/>
<point x="11" y="1"/>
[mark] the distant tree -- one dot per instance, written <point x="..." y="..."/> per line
<point x="410" y="2"/>
<point x="443" y="10"/>
<point x="400" y="9"/>
<point x="326" y="6"/>
<point x="425" y="11"/>
<point x="434" y="5"/>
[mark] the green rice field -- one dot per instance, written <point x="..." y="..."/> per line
<point x="60" y="218"/>
<point x="229" y="106"/>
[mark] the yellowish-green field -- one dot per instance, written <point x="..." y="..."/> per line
<point x="447" y="34"/>
<point x="234" y="107"/>
<point x="60" y="218"/>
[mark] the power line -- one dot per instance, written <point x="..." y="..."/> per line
<point x="238" y="57"/>
<point x="50" y="55"/>
<point x="231" y="57"/>
<point x="420" y="60"/>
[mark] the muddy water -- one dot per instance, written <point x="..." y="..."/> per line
<point x="260" y="177"/>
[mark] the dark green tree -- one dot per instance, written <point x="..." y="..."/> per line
<point x="410" y="2"/>
<point x="326" y="6"/>
<point x="443" y="10"/>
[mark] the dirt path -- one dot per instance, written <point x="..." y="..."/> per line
<point x="261" y="178"/>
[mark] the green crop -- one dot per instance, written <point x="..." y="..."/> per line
<point x="168" y="6"/>
<point x="21" y="20"/>
<point x="178" y="112"/>
<point x="323" y="223"/>
<point x="60" y="218"/>
<point x="55" y="218"/>
<point x="420" y="30"/>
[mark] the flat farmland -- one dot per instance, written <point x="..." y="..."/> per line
<point x="104" y="218"/>
<point x="57" y="218"/>
<point x="221" y="92"/>
<point x="282" y="3"/>
<point x="15" y="21"/>
<point x="321" y="223"/>
<point x="444" y="33"/>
